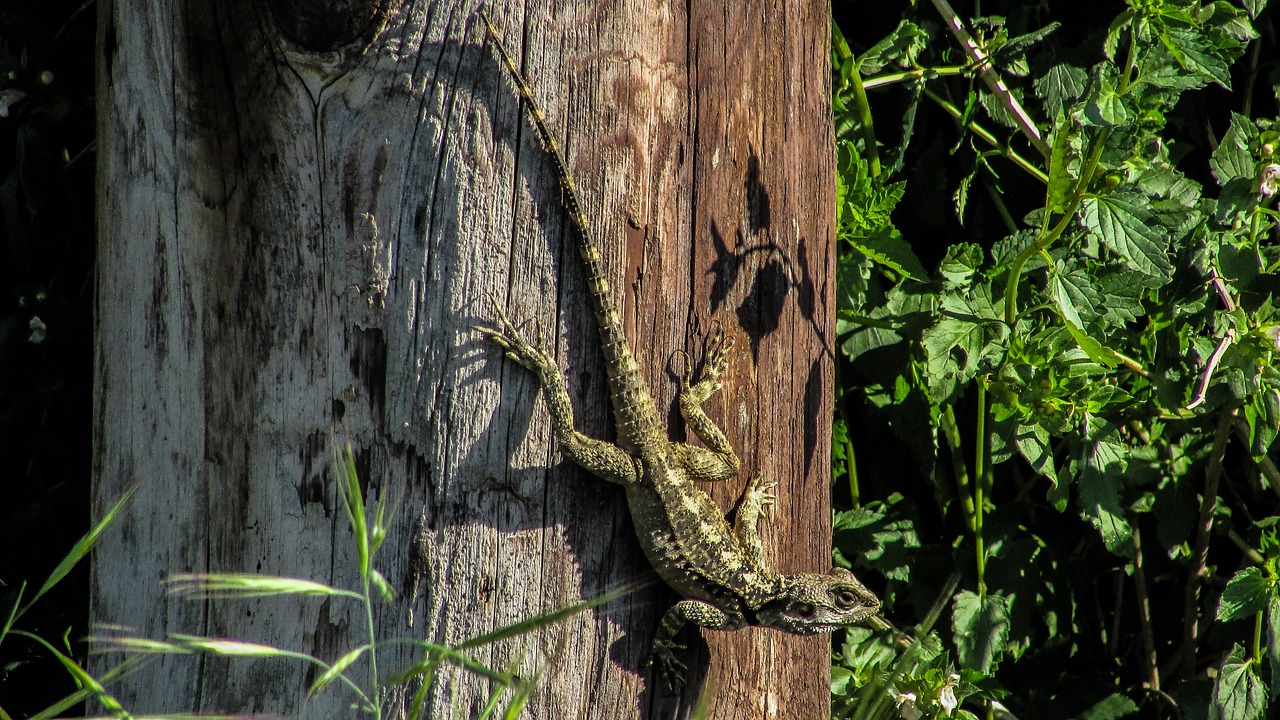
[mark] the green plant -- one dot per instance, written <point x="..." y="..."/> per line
<point x="1106" y="346"/>
<point x="368" y="688"/>
<point x="62" y="652"/>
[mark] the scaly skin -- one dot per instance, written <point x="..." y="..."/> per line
<point x="685" y="536"/>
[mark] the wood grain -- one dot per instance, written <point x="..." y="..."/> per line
<point x="294" y="240"/>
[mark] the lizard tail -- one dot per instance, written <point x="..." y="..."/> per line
<point x="634" y="408"/>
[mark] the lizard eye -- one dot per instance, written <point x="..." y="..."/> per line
<point x="805" y="610"/>
<point x="846" y="598"/>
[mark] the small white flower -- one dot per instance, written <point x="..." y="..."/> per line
<point x="38" y="330"/>
<point x="1269" y="180"/>
<point x="9" y="98"/>
<point x="906" y="703"/>
<point x="947" y="696"/>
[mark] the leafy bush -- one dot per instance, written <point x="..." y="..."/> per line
<point x="1084" y="385"/>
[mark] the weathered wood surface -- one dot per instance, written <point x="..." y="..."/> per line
<point x="298" y="232"/>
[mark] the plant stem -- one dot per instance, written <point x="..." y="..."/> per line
<point x="862" y="107"/>
<point x="1044" y="240"/>
<point x="1198" y="568"/>
<point x="1255" y="652"/>
<point x="981" y="486"/>
<point x="373" y="648"/>
<point x="951" y="431"/>
<point x="1144" y="614"/>
<point x="990" y="139"/>
<point x="931" y="72"/>
<point x="990" y="77"/>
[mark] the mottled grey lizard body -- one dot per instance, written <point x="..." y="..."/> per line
<point x="684" y="535"/>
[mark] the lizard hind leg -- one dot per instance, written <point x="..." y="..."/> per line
<point x="600" y="458"/>
<point x="756" y="500"/>
<point x="719" y="462"/>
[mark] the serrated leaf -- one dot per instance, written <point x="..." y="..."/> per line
<point x="1195" y="53"/>
<point x="1123" y="223"/>
<point x="1101" y="470"/>
<point x="1255" y="7"/>
<point x="1232" y="158"/>
<point x="1033" y="445"/>
<point x="1121" y="290"/>
<point x="1060" y="292"/>
<point x="1238" y="693"/>
<point x="968" y="331"/>
<point x="1109" y="708"/>
<point x="981" y="627"/>
<point x="1060" y="86"/>
<point x="1245" y="595"/>
<point x="900" y="47"/>
<point x="889" y="249"/>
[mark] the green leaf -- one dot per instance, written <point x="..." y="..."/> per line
<point x="1101" y="469"/>
<point x="78" y="551"/>
<point x="968" y="335"/>
<point x="1123" y="223"/>
<point x="1239" y="693"/>
<point x="1033" y="445"/>
<point x="1060" y="86"/>
<point x="339" y="666"/>
<point x="981" y="627"/>
<point x="1246" y="595"/>
<point x="900" y="47"/>
<point x="1232" y="158"/>
<point x="1194" y="52"/>
<point x="1255" y="7"/>
<point x="1109" y="708"/>
<point x="1068" y="294"/>
<point x="240" y="586"/>
<point x="889" y="249"/>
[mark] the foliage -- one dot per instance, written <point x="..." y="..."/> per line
<point x="62" y="653"/>
<point x="1086" y="378"/>
<point x="357" y="670"/>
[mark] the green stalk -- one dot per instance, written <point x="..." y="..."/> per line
<point x="373" y="646"/>
<point x="951" y="431"/>
<point x="1044" y="240"/>
<point x="982" y="471"/>
<point x="1255" y="652"/>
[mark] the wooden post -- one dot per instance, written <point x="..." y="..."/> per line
<point x="301" y="211"/>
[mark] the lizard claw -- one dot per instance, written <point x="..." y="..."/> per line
<point x="761" y="493"/>
<point x="718" y="350"/>
<point x="670" y="667"/>
<point x="508" y="338"/>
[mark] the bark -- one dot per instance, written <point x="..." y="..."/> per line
<point x="296" y="236"/>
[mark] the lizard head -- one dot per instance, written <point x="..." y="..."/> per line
<point x="811" y="603"/>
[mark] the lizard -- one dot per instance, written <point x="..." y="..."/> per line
<point x="718" y="569"/>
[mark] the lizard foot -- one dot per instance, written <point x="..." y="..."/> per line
<point x="516" y="347"/>
<point x="718" y="353"/>
<point x="670" y="667"/>
<point x="760" y="494"/>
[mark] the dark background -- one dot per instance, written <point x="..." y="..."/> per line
<point x="47" y="251"/>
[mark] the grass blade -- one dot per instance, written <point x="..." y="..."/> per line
<point x="336" y="669"/>
<point x="236" y="585"/>
<point x="78" y="551"/>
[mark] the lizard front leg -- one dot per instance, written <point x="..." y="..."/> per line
<point x="719" y="462"/>
<point x="665" y="644"/>
<point x="598" y="457"/>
